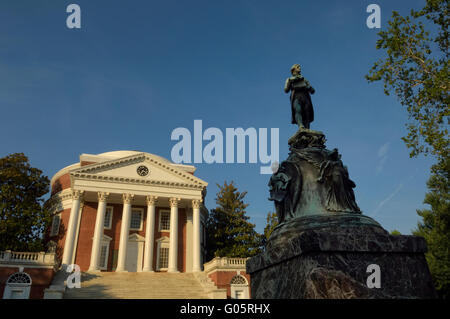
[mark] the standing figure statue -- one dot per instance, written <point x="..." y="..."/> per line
<point x="301" y="105"/>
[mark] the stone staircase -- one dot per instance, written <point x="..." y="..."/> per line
<point x="142" y="285"/>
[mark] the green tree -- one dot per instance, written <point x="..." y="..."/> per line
<point x="436" y="231"/>
<point x="230" y="234"/>
<point x="23" y="219"/>
<point x="416" y="70"/>
<point x="395" y="232"/>
<point x="271" y="223"/>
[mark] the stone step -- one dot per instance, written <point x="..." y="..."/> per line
<point x="139" y="285"/>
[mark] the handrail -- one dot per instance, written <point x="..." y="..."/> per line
<point x="225" y="263"/>
<point x="38" y="258"/>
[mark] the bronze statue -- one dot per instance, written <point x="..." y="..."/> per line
<point x="312" y="180"/>
<point x="301" y="105"/>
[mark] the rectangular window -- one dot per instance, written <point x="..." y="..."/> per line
<point x="55" y="225"/>
<point x="108" y="218"/>
<point x="163" y="258"/>
<point x="103" y="264"/>
<point x="136" y="219"/>
<point x="164" y="221"/>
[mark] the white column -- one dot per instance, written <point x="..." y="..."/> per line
<point x="77" y="231"/>
<point x="150" y="234"/>
<point x="196" y="233"/>
<point x="71" y="228"/>
<point x="124" y="232"/>
<point x="173" y="246"/>
<point x="98" y="232"/>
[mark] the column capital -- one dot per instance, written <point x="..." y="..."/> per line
<point x="151" y="200"/>
<point x="174" y="201"/>
<point x="77" y="194"/>
<point x="127" y="198"/>
<point x="102" y="196"/>
<point x="196" y="203"/>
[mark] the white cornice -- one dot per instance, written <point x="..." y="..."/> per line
<point x="135" y="181"/>
<point x="63" y="171"/>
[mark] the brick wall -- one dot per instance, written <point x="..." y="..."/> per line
<point x="61" y="183"/>
<point x="40" y="279"/>
<point x="86" y="233"/>
<point x="223" y="278"/>
<point x="61" y="237"/>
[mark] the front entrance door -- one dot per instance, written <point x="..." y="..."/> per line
<point x="134" y="256"/>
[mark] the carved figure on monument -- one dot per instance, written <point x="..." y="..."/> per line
<point x="285" y="188"/>
<point x="312" y="180"/>
<point x="301" y="105"/>
<point x="340" y="196"/>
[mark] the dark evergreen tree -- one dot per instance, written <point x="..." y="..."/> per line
<point x="271" y="223"/>
<point x="230" y="234"/>
<point x="435" y="228"/>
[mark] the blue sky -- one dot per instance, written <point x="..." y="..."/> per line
<point x="137" y="70"/>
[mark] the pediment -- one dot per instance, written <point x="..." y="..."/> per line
<point x="163" y="239"/>
<point x="125" y="170"/>
<point x="105" y="238"/>
<point x="136" y="237"/>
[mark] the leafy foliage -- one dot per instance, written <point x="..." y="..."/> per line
<point x="23" y="219"/>
<point x="230" y="234"/>
<point x="416" y="69"/>
<point x="395" y="232"/>
<point x="435" y="228"/>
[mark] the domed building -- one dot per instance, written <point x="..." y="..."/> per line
<point x="128" y="211"/>
<point x="132" y="225"/>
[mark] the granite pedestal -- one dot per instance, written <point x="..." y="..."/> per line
<point x="327" y="256"/>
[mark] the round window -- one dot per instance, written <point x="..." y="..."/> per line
<point x="142" y="170"/>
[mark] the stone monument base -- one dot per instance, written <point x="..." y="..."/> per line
<point x="328" y="256"/>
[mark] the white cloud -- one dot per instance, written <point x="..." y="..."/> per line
<point x="387" y="199"/>
<point x="382" y="156"/>
<point x="382" y="151"/>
